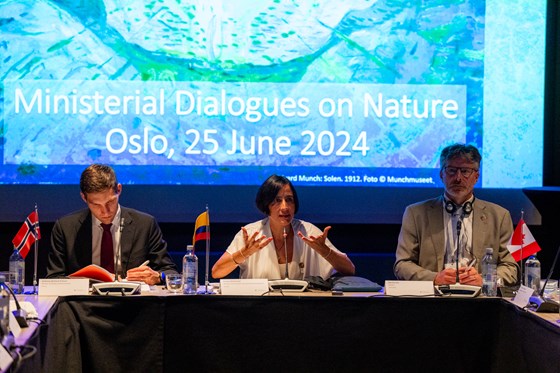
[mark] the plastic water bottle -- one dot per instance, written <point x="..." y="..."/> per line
<point x="17" y="272"/>
<point x="489" y="274"/>
<point x="533" y="274"/>
<point x="190" y="271"/>
<point x="4" y="309"/>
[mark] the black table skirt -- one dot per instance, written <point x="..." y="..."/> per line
<point x="293" y="334"/>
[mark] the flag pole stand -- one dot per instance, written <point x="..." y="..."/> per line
<point x="207" y="287"/>
<point x="35" y="259"/>
<point x="522" y="279"/>
<point x="35" y="250"/>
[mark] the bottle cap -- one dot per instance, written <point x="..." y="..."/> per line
<point x="489" y="250"/>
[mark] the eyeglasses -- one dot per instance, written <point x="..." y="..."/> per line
<point x="465" y="171"/>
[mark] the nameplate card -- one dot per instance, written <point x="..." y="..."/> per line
<point x="63" y="286"/>
<point x="414" y="288"/>
<point x="253" y="286"/>
<point x="522" y="296"/>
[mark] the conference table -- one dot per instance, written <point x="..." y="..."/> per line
<point x="297" y="332"/>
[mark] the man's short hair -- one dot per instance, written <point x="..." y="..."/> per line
<point x="98" y="178"/>
<point x="468" y="152"/>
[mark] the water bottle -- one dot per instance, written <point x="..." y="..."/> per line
<point x="190" y="271"/>
<point x="4" y="309"/>
<point x="489" y="274"/>
<point x="533" y="274"/>
<point x="17" y="272"/>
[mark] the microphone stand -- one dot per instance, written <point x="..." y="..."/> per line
<point x="285" y="235"/>
<point x="118" y="255"/>
<point x="458" y="289"/>
<point x="120" y="287"/>
<point x="546" y="305"/>
<point x="20" y="314"/>
<point x="459" y="223"/>
<point x="286" y="284"/>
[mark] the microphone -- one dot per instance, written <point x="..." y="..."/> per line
<point x="285" y="235"/>
<point x="20" y="314"/>
<point x="118" y="256"/>
<point x="4" y="312"/>
<point x="541" y="304"/>
<point x="286" y="284"/>
<point x="458" y="289"/>
<point x="117" y="287"/>
<point x="459" y="223"/>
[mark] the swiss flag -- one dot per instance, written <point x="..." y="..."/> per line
<point x="522" y="244"/>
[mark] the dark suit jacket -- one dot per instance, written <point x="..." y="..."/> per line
<point x="141" y="240"/>
<point x="421" y="246"/>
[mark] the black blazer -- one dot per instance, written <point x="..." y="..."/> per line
<point x="141" y="240"/>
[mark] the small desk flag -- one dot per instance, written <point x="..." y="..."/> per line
<point x="522" y="243"/>
<point x="27" y="234"/>
<point x="201" y="228"/>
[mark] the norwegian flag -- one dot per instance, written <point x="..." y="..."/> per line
<point x="522" y="243"/>
<point x="27" y="234"/>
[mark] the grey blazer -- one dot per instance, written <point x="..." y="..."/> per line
<point x="421" y="245"/>
<point x="141" y="240"/>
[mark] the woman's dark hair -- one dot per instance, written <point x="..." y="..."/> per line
<point x="269" y="190"/>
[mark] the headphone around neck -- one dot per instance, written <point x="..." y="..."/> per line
<point x="451" y="207"/>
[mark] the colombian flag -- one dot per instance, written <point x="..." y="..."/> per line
<point x="201" y="228"/>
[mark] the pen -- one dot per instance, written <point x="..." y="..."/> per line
<point x="470" y="264"/>
<point x="145" y="263"/>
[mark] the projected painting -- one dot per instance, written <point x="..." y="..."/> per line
<point x="227" y="92"/>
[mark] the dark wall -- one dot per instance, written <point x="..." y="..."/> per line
<point x="371" y="247"/>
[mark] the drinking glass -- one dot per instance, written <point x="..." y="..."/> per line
<point x="550" y="290"/>
<point x="174" y="282"/>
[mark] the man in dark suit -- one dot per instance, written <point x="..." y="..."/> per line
<point x="427" y="245"/>
<point x="92" y="235"/>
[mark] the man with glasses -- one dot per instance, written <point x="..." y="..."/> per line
<point x="436" y="231"/>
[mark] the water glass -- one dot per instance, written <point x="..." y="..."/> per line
<point x="550" y="290"/>
<point x="174" y="282"/>
<point x="6" y="275"/>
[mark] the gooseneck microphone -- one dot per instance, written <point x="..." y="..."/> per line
<point x="550" y="272"/>
<point x="116" y="286"/>
<point x="458" y="289"/>
<point x="285" y="235"/>
<point x="286" y="284"/>
<point x="118" y="256"/>
<point x="19" y="313"/>
<point x="538" y="302"/>
<point x="459" y="223"/>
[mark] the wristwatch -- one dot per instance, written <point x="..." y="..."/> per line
<point x="162" y="277"/>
